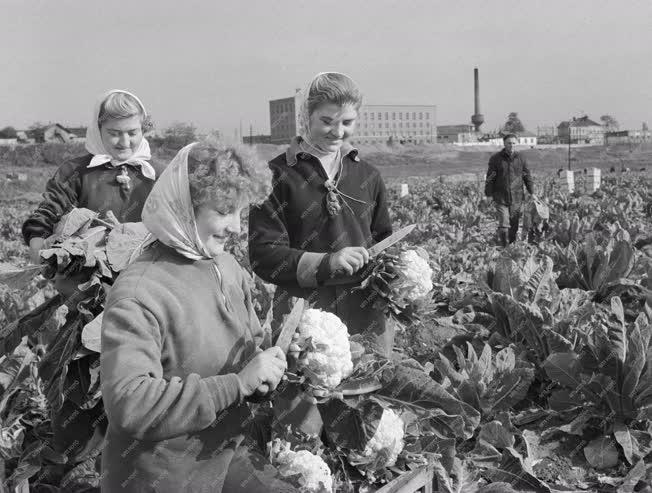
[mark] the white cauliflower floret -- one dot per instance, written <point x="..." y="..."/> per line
<point x="330" y="360"/>
<point x="388" y="438"/>
<point x="417" y="273"/>
<point x="315" y="474"/>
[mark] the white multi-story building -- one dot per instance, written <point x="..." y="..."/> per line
<point x="582" y="131"/>
<point x="376" y="123"/>
<point x="401" y="123"/>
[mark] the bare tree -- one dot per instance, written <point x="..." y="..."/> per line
<point x="179" y="135"/>
<point x="610" y="123"/>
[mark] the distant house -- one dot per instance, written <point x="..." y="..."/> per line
<point x="456" y="134"/>
<point x="24" y="138"/>
<point x="524" y="138"/>
<point x="78" y="132"/>
<point x="527" y="138"/>
<point x="59" y="133"/>
<point x="581" y="131"/>
<point x="8" y="142"/>
<point x="627" y="137"/>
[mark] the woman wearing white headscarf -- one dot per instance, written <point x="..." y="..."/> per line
<point x="115" y="175"/>
<point x="326" y="208"/>
<point x="181" y="340"/>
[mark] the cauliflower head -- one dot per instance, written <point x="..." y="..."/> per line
<point x="329" y="359"/>
<point x="315" y="474"/>
<point x="388" y="438"/>
<point x="416" y="276"/>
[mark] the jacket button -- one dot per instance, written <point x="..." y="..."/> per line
<point x="303" y="155"/>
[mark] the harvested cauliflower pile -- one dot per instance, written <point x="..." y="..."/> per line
<point x="327" y="358"/>
<point x="315" y="476"/>
<point x="416" y="275"/>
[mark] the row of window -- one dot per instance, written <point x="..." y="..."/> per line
<point x="283" y="129"/>
<point x="395" y="125"/>
<point x="371" y="115"/>
<point x="381" y="139"/>
<point x="394" y="133"/>
<point x="289" y="107"/>
<point x="282" y="107"/>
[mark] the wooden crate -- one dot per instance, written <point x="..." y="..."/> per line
<point x="593" y="179"/>
<point x="567" y="183"/>
<point x="419" y="480"/>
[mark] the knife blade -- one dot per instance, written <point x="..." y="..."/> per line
<point x="373" y="252"/>
<point x="283" y="341"/>
<point x="290" y="325"/>
<point x="390" y="240"/>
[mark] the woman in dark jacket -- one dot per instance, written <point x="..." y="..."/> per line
<point x="114" y="176"/>
<point x="326" y="208"/>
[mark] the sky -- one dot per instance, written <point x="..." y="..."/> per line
<point x="217" y="63"/>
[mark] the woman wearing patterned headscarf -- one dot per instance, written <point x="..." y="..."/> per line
<point x="114" y="176"/>
<point x="326" y="208"/>
<point x="181" y="340"/>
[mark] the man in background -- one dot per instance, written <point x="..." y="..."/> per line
<point x="507" y="175"/>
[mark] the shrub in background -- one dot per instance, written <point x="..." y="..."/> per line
<point x="37" y="155"/>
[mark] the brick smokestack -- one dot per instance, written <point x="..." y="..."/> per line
<point x="477" y="119"/>
<point x="476" y="87"/>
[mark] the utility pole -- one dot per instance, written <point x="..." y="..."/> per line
<point x="569" y="144"/>
<point x="251" y="135"/>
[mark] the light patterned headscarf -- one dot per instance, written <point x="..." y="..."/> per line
<point x="303" y="119"/>
<point x="95" y="146"/>
<point x="168" y="213"/>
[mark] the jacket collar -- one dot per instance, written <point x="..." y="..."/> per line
<point x="509" y="156"/>
<point x="294" y="152"/>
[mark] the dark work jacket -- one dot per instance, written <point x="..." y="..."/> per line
<point x="505" y="178"/>
<point x="76" y="185"/>
<point x="294" y="220"/>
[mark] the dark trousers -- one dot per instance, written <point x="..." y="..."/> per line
<point x="508" y="217"/>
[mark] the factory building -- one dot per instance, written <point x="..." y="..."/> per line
<point x="400" y="123"/>
<point x="627" y="137"/>
<point x="283" y="119"/>
<point x="465" y="133"/>
<point x="456" y="134"/>
<point x="376" y="123"/>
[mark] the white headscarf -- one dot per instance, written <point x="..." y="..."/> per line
<point x="304" y="116"/>
<point x="95" y="146"/>
<point x="168" y="213"/>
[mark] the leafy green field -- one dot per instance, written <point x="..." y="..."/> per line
<point x="544" y="349"/>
